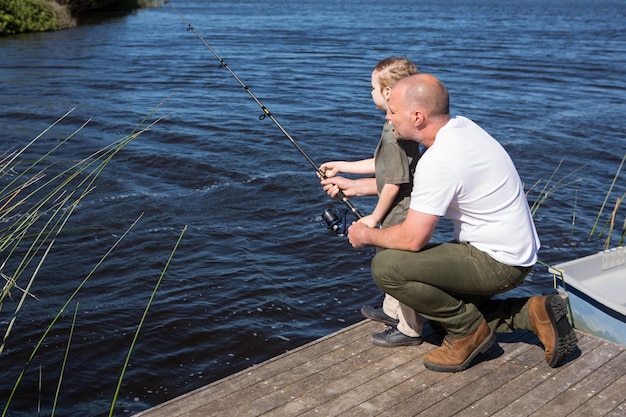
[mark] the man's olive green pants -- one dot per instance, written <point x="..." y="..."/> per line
<point x="452" y="285"/>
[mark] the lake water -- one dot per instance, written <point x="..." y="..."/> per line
<point x="255" y="274"/>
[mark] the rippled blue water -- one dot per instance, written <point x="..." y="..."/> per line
<point x="255" y="275"/>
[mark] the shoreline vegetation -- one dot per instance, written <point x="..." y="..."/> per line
<point x="38" y="197"/>
<point x="21" y="16"/>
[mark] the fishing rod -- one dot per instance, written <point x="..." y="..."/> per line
<point x="331" y="218"/>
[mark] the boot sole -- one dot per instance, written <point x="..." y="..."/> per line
<point x="482" y="348"/>
<point x="565" y="338"/>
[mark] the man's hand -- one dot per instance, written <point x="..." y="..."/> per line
<point x="357" y="234"/>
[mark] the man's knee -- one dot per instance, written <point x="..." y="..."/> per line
<point x="381" y="269"/>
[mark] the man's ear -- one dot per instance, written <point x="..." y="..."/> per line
<point x="418" y="118"/>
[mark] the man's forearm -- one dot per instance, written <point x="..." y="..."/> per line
<point x="360" y="235"/>
<point x="411" y="235"/>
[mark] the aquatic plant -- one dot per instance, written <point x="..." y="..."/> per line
<point x="37" y="200"/>
<point x="610" y="222"/>
<point x="550" y="187"/>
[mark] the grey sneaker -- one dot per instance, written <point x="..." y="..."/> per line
<point x="393" y="337"/>
<point x="377" y="314"/>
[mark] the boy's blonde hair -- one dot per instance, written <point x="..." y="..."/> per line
<point x="393" y="69"/>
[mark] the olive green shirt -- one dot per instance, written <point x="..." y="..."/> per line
<point x="395" y="162"/>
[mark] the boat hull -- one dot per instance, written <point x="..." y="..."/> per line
<point x="596" y="288"/>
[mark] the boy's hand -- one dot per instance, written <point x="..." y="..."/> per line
<point x="332" y="186"/>
<point x="369" y="221"/>
<point x="330" y="169"/>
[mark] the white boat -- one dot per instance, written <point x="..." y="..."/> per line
<point x="596" y="288"/>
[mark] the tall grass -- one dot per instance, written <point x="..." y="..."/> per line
<point x="610" y="221"/>
<point x="608" y="228"/>
<point x="552" y="185"/>
<point x="37" y="199"/>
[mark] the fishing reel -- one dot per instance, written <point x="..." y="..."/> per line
<point x="334" y="220"/>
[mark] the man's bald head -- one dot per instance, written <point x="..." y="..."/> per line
<point x="418" y="107"/>
<point x="426" y="93"/>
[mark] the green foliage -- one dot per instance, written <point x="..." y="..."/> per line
<point x="111" y="5"/>
<point x="610" y="222"/>
<point x="17" y="16"/>
<point x="37" y="199"/>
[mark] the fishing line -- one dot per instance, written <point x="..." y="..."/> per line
<point x="329" y="216"/>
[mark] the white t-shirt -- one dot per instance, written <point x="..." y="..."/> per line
<point x="467" y="177"/>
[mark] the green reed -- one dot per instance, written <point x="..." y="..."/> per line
<point x="610" y="222"/>
<point x="67" y="353"/>
<point x="35" y="208"/>
<point x="550" y="187"/>
<point x="143" y="318"/>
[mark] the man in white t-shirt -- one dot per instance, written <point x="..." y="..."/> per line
<point x="466" y="176"/>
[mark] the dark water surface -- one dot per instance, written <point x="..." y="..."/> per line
<point x="255" y="275"/>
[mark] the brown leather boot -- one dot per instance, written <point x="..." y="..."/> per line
<point x="548" y="318"/>
<point x="456" y="354"/>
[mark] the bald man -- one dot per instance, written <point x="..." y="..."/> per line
<point x="466" y="176"/>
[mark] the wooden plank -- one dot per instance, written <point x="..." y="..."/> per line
<point x="553" y="382"/>
<point x="421" y="379"/>
<point x="611" y="401"/>
<point x="517" y="362"/>
<point x="344" y="392"/>
<point x="601" y="369"/>
<point x="219" y="391"/>
<point x="345" y="374"/>
<point x="516" y="376"/>
<point x="285" y="387"/>
<point x="269" y="393"/>
<point x="340" y="381"/>
<point x="448" y="387"/>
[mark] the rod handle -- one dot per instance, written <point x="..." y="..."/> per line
<point x="341" y="196"/>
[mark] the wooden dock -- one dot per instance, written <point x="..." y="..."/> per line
<point x="344" y="374"/>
